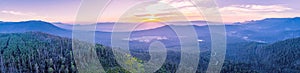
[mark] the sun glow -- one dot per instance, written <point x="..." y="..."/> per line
<point x="151" y="20"/>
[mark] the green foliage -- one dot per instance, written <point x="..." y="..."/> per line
<point x="35" y="52"/>
<point x="283" y="56"/>
<point x="50" y="70"/>
<point x="134" y="64"/>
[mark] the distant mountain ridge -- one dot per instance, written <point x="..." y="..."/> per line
<point x="265" y="31"/>
<point x="38" y="26"/>
<point x="45" y="27"/>
<point x="268" y="30"/>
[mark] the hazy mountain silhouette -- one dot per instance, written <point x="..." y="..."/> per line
<point x="38" y="26"/>
<point x="265" y="31"/>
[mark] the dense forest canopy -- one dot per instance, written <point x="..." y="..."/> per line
<point x="36" y="52"/>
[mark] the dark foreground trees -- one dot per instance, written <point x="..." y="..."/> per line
<point x="36" y="52"/>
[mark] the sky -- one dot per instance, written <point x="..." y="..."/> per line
<point x="65" y="11"/>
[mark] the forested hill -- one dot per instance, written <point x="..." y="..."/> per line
<point x="36" y="26"/>
<point x="278" y="57"/>
<point x="283" y="56"/>
<point x="36" y="52"/>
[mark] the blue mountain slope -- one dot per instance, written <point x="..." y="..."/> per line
<point x="264" y="31"/>
<point x="268" y="30"/>
<point x="28" y="26"/>
<point x="41" y="26"/>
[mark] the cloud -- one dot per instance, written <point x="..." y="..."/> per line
<point x="233" y="13"/>
<point x="186" y="7"/>
<point x="147" y="39"/>
<point x="241" y="13"/>
<point x="255" y="8"/>
<point x="247" y="39"/>
<point x="16" y="13"/>
<point x="199" y="40"/>
<point x="11" y="15"/>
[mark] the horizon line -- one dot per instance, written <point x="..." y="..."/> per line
<point x="99" y="22"/>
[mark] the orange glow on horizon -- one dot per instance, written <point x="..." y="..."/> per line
<point x="151" y="20"/>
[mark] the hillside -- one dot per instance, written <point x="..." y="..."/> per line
<point x="40" y="52"/>
<point x="46" y="27"/>
<point x="283" y="56"/>
<point x="35" y="52"/>
<point x="33" y="26"/>
<point x="279" y="57"/>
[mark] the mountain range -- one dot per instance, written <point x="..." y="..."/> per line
<point x="267" y="30"/>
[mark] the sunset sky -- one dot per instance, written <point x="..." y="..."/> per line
<point x="66" y="10"/>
